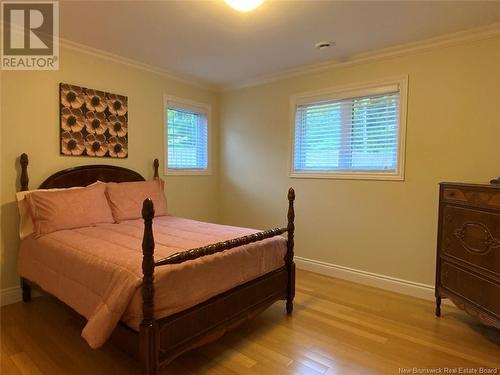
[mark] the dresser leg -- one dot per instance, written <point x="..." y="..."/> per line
<point x="438" y="306"/>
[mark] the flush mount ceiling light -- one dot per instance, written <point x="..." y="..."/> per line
<point x="324" y="44"/>
<point x="244" y="5"/>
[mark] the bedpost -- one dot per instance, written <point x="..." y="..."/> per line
<point x="24" y="181"/>
<point x="156" y="164"/>
<point x="290" y="265"/>
<point x="24" y="172"/>
<point x="148" y="334"/>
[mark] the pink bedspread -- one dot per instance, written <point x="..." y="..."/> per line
<point x="97" y="270"/>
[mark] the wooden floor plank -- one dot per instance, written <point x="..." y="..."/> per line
<point x="8" y="367"/>
<point x="338" y="327"/>
<point x="24" y="364"/>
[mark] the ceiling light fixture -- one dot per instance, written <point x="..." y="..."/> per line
<point x="244" y="5"/>
<point x="324" y="44"/>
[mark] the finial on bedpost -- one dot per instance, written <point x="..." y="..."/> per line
<point x="149" y="338"/>
<point x="290" y="265"/>
<point x="24" y="172"/>
<point x="148" y="210"/>
<point x="156" y="164"/>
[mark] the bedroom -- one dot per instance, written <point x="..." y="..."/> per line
<point x="365" y="240"/>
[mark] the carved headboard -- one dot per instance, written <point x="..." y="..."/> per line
<point x="84" y="175"/>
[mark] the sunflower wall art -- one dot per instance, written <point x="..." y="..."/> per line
<point x="92" y="122"/>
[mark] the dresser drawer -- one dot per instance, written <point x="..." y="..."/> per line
<point x="478" y="197"/>
<point x="472" y="287"/>
<point x="471" y="235"/>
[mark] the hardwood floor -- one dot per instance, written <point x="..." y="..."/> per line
<point x="338" y="327"/>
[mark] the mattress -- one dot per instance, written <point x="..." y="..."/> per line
<point x="97" y="270"/>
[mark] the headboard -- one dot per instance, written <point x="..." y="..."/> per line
<point x="83" y="175"/>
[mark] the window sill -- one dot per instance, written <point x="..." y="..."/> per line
<point x="348" y="175"/>
<point x="188" y="172"/>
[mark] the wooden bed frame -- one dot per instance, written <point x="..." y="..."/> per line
<point x="159" y="341"/>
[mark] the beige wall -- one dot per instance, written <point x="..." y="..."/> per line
<point x="389" y="228"/>
<point x="29" y="104"/>
<point x="383" y="227"/>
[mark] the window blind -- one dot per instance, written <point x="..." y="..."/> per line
<point x="351" y="134"/>
<point x="187" y="137"/>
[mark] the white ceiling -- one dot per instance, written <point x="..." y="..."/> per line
<point x="209" y="41"/>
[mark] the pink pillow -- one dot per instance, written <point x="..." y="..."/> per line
<point x="71" y="208"/>
<point x="126" y="198"/>
<point x="26" y="226"/>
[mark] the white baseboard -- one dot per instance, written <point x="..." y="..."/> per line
<point x="14" y="294"/>
<point x="10" y="295"/>
<point x="410" y="288"/>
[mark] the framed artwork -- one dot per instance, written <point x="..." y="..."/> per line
<point x="92" y="122"/>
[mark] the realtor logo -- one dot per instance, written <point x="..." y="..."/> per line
<point x="30" y="35"/>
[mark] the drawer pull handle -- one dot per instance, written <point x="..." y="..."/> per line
<point x="495" y="181"/>
<point x="476" y="238"/>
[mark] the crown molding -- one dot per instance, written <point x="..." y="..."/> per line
<point x="446" y="40"/>
<point x="186" y="79"/>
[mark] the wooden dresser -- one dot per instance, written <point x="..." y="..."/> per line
<point x="468" y="249"/>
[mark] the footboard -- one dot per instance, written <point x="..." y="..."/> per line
<point x="163" y="340"/>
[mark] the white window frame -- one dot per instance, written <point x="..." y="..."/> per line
<point x="189" y="105"/>
<point x="351" y="91"/>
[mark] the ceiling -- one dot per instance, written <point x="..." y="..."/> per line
<point x="209" y="41"/>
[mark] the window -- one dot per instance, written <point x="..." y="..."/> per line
<point x="186" y="138"/>
<point x="351" y="133"/>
